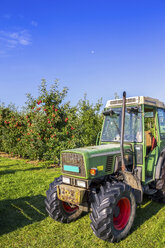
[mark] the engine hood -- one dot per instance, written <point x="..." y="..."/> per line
<point x="101" y="150"/>
<point x="79" y="161"/>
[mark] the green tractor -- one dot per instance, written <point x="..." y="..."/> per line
<point x="109" y="179"/>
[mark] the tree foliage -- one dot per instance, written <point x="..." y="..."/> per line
<point x="49" y="124"/>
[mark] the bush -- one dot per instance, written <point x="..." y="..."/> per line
<point x="89" y="122"/>
<point x="48" y="125"/>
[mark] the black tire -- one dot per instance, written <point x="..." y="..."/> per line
<point x="160" y="186"/>
<point x="57" y="209"/>
<point x="108" y="203"/>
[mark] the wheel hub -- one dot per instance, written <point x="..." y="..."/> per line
<point x="69" y="208"/>
<point x="122" y="213"/>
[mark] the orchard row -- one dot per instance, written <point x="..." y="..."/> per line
<point x="48" y="125"/>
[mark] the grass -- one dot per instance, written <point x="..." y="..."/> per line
<point x="24" y="222"/>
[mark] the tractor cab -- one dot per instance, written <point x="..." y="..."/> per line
<point x="144" y="120"/>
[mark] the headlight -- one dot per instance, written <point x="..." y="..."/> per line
<point x="66" y="180"/>
<point x="81" y="184"/>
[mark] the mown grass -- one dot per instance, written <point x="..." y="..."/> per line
<point x="24" y="222"/>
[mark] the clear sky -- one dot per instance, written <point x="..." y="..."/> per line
<point x="97" y="47"/>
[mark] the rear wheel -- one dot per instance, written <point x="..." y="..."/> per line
<point x="59" y="210"/>
<point x="113" y="211"/>
<point x="160" y="185"/>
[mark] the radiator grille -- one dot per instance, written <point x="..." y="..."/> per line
<point x="74" y="159"/>
<point x="109" y="165"/>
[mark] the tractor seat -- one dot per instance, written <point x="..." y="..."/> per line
<point x="148" y="136"/>
<point x="148" y="139"/>
<point x="151" y="142"/>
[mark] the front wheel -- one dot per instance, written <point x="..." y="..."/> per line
<point x="59" y="210"/>
<point x="113" y="211"/>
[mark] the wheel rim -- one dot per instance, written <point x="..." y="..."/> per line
<point x="120" y="221"/>
<point x="68" y="208"/>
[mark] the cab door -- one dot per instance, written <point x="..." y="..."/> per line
<point x="151" y="141"/>
<point x="151" y="161"/>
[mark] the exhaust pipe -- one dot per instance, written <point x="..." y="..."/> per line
<point x="122" y="132"/>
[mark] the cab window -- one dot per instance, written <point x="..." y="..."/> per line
<point x="161" y="116"/>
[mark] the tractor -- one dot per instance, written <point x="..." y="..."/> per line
<point x="109" y="179"/>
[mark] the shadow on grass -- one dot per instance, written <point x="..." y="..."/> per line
<point x="4" y="172"/>
<point x="7" y="166"/>
<point x="21" y="212"/>
<point x="144" y="212"/>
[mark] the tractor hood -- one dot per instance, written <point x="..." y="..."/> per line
<point x="79" y="161"/>
<point x="102" y="150"/>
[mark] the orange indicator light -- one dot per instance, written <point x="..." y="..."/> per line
<point x="93" y="171"/>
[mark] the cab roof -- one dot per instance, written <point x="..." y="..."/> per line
<point x="138" y="100"/>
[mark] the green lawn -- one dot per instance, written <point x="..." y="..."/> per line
<point x="24" y="222"/>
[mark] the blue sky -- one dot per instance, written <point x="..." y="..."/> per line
<point x="94" y="47"/>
